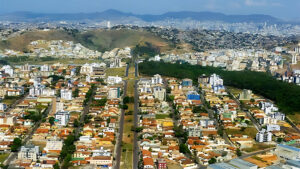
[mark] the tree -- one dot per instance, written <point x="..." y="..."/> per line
<point x="220" y="131"/>
<point x="124" y="106"/>
<point x="199" y="109"/>
<point x="127" y="100"/>
<point x="76" y="123"/>
<point x="238" y="152"/>
<point x="56" y="166"/>
<point x="183" y="148"/>
<point x="169" y="98"/>
<point x="168" y="90"/>
<point x="51" y="121"/>
<point x="17" y="143"/>
<point x="259" y="82"/>
<point x="75" y="92"/>
<point x="279" y="140"/>
<point x="137" y="129"/>
<point x="212" y="161"/>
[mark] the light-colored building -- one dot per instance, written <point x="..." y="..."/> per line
<point x="66" y="94"/>
<point x="8" y="120"/>
<point x="114" y="80"/>
<point x="3" y="106"/>
<point x="287" y="152"/>
<point x="159" y="93"/>
<point x="156" y="79"/>
<point x="29" y="152"/>
<point x="263" y="136"/>
<point x="114" y="93"/>
<point x="62" y="117"/>
<point x="46" y="68"/>
<point x="194" y="132"/>
<point x="53" y="145"/>
<point x="245" y="95"/>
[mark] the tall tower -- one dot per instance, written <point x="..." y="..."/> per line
<point x="297" y="49"/>
<point x="108" y="25"/>
<point x="294" y="59"/>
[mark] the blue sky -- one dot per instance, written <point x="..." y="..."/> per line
<point x="288" y="9"/>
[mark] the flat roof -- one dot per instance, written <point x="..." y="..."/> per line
<point x="222" y="166"/>
<point x="273" y="167"/>
<point x="295" y="163"/>
<point x="289" y="147"/>
<point x="238" y="162"/>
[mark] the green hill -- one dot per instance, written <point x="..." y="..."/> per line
<point x="101" y="40"/>
<point x="21" y="42"/>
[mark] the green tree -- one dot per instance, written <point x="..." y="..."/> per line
<point x="238" y="152"/>
<point x="212" y="161"/>
<point x="76" y="123"/>
<point x="51" y="121"/>
<point x="75" y="92"/>
<point x="183" y="148"/>
<point x="259" y="82"/>
<point x="56" y="166"/>
<point x="17" y="143"/>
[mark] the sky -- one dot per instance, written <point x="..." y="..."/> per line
<point x="284" y="9"/>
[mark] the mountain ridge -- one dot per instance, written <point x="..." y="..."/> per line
<point x="113" y="14"/>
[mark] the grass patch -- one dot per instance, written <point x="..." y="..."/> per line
<point x="258" y="158"/>
<point x="161" y="116"/>
<point x="234" y="91"/>
<point x="126" y="156"/>
<point x="116" y="72"/>
<point x="3" y="157"/>
<point x="9" y="101"/>
<point x="257" y="147"/>
<point x="249" y="131"/>
<point x="295" y="118"/>
<point x="130" y="88"/>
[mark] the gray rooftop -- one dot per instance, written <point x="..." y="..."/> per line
<point x="273" y="167"/>
<point x="239" y="162"/>
<point x="294" y="163"/>
<point x="222" y="166"/>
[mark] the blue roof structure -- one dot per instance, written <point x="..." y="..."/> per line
<point x="193" y="97"/>
<point x="289" y="147"/>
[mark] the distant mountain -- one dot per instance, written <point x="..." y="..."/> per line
<point x="116" y="15"/>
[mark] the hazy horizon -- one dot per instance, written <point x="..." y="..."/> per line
<point x="289" y="9"/>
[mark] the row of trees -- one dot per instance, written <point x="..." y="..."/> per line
<point x="67" y="150"/>
<point x="285" y="95"/>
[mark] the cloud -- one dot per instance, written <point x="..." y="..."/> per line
<point x="258" y="3"/>
<point x="255" y="2"/>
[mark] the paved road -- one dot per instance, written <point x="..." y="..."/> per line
<point x="292" y="124"/>
<point x="254" y="121"/>
<point x="13" y="155"/>
<point x="135" y="158"/>
<point x="11" y="107"/>
<point x="136" y="68"/>
<point x="211" y="116"/>
<point x="126" y="72"/>
<point x="85" y="112"/>
<point x="121" y="128"/>
<point x="256" y="152"/>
